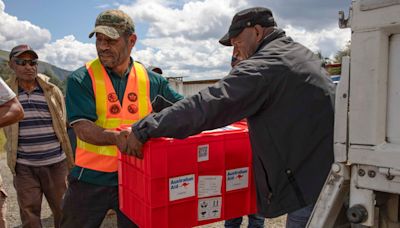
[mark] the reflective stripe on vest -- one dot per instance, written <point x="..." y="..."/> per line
<point x="136" y="104"/>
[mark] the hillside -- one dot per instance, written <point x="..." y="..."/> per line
<point x="56" y="74"/>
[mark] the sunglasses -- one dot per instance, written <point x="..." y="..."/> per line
<point x="23" y="62"/>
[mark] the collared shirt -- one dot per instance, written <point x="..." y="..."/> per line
<point x="38" y="144"/>
<point x="81" y="105"/>
<point x="55" y="101"/>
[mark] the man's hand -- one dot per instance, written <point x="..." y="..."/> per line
<point x="121" y="140"/>
<point x="134" y="146"/>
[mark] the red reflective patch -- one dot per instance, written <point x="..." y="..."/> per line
<point x="132" y="97"/>
<point x="132" y="108"/>
<point x="112" y="97"/>
<point x="115" y="109"/>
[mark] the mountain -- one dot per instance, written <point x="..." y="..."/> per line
<point x="57" y="75"/>
<point x="43" y="67"/>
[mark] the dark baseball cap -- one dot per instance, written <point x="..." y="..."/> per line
<point x="158" y="70"/>
<point x="113" y="23"/>
<point x="248" y="18"/>
<point x="22" y="48"/>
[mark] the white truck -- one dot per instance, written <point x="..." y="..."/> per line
<point x="364" y="182"/>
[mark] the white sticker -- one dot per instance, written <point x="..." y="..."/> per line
<point x="202" y="153"/>
<point x="181" y="187"/>
<point x="237" y="178"/>
<point x="226" y="128"/>
<point x="209" y="186"/>
<point x="209" y="208"/>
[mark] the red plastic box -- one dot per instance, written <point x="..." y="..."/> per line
<point x="184" y="183"/>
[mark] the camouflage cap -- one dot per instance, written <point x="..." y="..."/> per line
<point x="113" y="23"/>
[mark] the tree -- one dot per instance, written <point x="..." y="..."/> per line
<point x="54" y="79"/>
<point x="344" y="52"/>
<point x="324" y="60"/>
<point x="5" y="70"/>
<point x="334" y="70"/>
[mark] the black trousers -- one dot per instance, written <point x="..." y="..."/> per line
<point x="85" y="205"/>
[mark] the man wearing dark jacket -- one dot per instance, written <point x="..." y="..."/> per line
<point x="287" y="98"/>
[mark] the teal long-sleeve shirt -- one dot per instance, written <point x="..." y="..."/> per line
<point x="80" y="103"/>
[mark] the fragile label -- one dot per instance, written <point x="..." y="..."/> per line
<point x="237" y="178"/>
<point x="209" y="208"/>
<point x="181" y="187"/>
<point x="202" y="153"/>
<point x="209" y="186"/>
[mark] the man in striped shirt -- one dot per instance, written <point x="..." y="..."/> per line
<point x="39" y="151"/>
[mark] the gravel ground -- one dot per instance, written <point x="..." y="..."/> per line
<point x="14" y="221"/>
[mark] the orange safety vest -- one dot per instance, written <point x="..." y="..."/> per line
<point x="136" y="104"/>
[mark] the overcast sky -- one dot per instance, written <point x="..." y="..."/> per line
<point x="180" y="36"/>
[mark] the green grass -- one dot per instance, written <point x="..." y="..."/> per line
<point x="2" y="140"/>
<point x="4" y="54"/>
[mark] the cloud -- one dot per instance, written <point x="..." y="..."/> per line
<point x="328" y="41"/>
<point x="312" y="15"/>
<point x="103" y="6"/>
<point x="110" y="5"/>
<point x="208" y="59"/>
<point x="14" y="32"/>
<point x="182" y="57"/>
<point x="211" y="18"/>
<point x="67" y="53"/>
<point x="183" y="37"/>
<point x="193" y="20"/>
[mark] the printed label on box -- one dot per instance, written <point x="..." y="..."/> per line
<point x="209" y="186"/>
<point x="209" y="208"/>
<point x="237" y="178"/>
<point x="202" y="153"/>
<point x="181" y="187"/>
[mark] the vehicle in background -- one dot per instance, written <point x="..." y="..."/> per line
<point x="334" y="70"/>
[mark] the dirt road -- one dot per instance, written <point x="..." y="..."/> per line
<point x="12" y="215"/>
